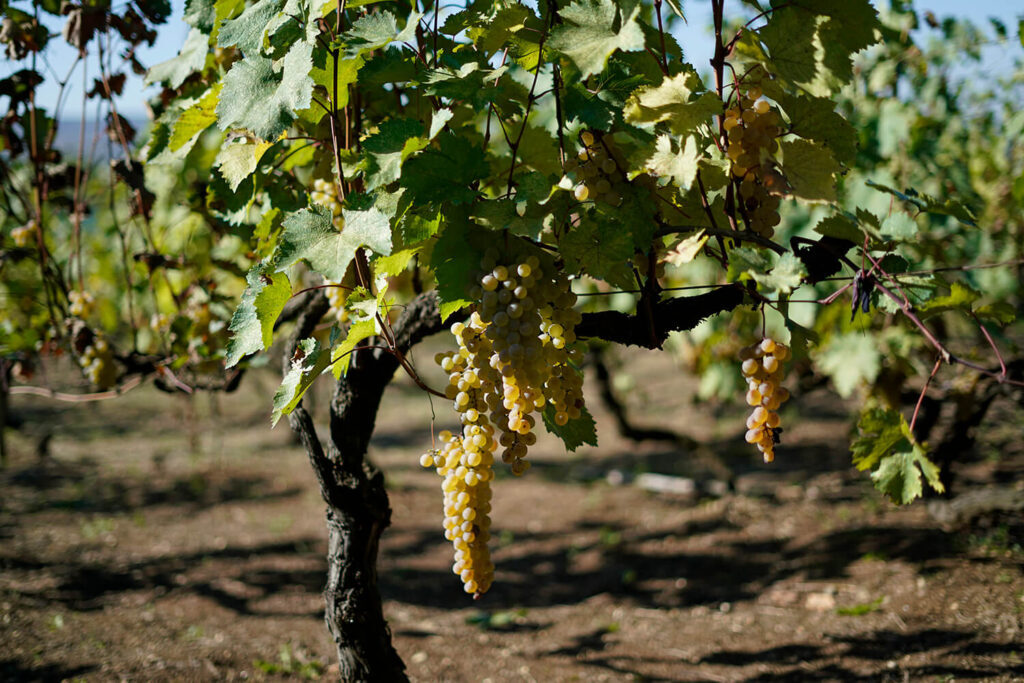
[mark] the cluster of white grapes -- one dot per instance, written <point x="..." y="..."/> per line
<point x="81" y="304"/>
<point x="97" y="361"/>
<point x="762" y="368"/>
<point x="753" y="128"/>
<point x="600" y="177"/>
<point x="336" y="295"/>
<point x="515" y="357"/>
<point x="23" y="234"/>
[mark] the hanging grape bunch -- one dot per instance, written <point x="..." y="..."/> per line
<point x="336" y="295"/>
<point x="80" y="303"/>
<point x="762" y="368"/>
<point x="516" y="358"/>
<point x="94" y="355"/>
<point x="753" y="128"/>
<point x="600" y="177"/>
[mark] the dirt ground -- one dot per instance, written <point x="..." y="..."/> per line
<point x="182" y="539"/>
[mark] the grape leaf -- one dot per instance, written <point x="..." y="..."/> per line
<point x="602" y="249"/>
<point x="264" y="100"/>
<point x="839" y="227"/>
<point x="310" y="234"/>
<point x="810" y="169"/>
<point x="1000" y="312"/>
<point x="899" y="227"/>
<point x="588" y="36"/>
<point x="391" y="145"/>
<point x="195" y="119"/>
<point x="341" y="356"/>
<point x="246" y="30"/>
<point x="680" y="166"/>
<point x="192" y="58"/>
<point x="849" y="359"/>
<point x="674" y="100"/>
<point x="252" y="325"/>
<point x="308" y="363"/>
<point x="815" y="118"/>
<point x="686" y="250"/>
<point x="455" y="260"/>
<point x="950" y="207"/>
<point x="785" y="276"/>
<point x="237" y="160"/>
<point x="574" y="433"/>
<point x="745" y="261"/>
<point x="446" y="174"/>
<point x="884" y="442"/>
<point x="960" y="298"/>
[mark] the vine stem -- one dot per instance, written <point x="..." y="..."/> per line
<point x="924" y="390"/>
<point x="30" y="390"/>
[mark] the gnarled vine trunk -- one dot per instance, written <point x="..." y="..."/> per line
<point x="357" y="503"/>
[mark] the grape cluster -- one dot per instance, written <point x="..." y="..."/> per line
<point x="465" y="463"/>
<point x="336" y="295"/>
<point x="97" y="361"/>
<point x="22" y="235"/>
<point x="81" y="303"/>
<point x="762" y="368"/>
<point x="601" y="178"/>
<point x="753" y="128"/>
<point x="515" y="357"/>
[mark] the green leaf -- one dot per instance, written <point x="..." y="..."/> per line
<point x="810" y="169"/>
<point x="574" y="433"/>
<point x="588" y="35"/>
<point x="899" y="475"/>
<point x="308" y="363"/>
<point x="879" y="431"/>
<point x="899" y="227"/>
<point x="815" y="118"/>
<point x="850" y="359"/>
<point x="1000" y="312"/>
<point x="192" y="58"/>
<point x="680" y="166"/>
<point x="839" y="227"/>
<point x="238" y="160"/>
<point x="884" y="442"/>
<point x="200" y="14"/>
<point x="745" y="261"/>
<point x="388" y="148"/>
<point x="960" y="298"/>
<point x="310" y="234"/>
<point x="949" y="207"/>
<point x="785" y="276"/>
<point x="446" y="174"/>
<point x="263" y="100"/>
<point x="252" y="325"/>
<point x="811" y="42"/>
<point x="675" y="100"/>
<point x="506" y="23"/>
<point x="341" y="356"/>
<point x="246" y="30"/>
<point x="456" y="260"/>
<point x="348" y="73"/>
<point x="195" y="119"/>
<point x="600" y="248"/>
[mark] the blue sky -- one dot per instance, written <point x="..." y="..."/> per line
<point x="693" y="37"/>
